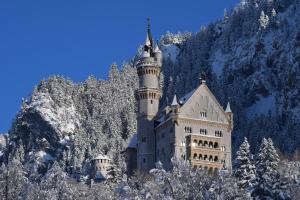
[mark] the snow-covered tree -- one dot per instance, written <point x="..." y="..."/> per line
<point x="54" y="185"/>
<point x="225" y="187"/>
<point x="245" y="169"/>
<point x="263" y="20"/>
<point x="268" y="177"/>
<point x="13" y="180"/>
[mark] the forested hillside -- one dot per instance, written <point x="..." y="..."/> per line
<point x="251" y="58"/>
<point x="73" y="123"/>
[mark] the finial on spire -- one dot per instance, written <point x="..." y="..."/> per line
<point x="148" y="20"/>
<point x="202" y="77"/>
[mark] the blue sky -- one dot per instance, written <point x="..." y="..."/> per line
<point x="78" y="38"/>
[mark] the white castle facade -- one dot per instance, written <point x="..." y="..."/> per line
<point x="194" y="128"/>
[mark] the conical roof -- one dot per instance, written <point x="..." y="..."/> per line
<point x="228" y="109"/>
<point x="174" y="102"/>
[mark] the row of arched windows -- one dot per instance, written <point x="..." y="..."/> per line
<point x="210" y="169"/>
<point x="209" y="158"/>
<point x="148" y="71"/>
<point x="150" y="95"/>
<point x="206" y="144"/>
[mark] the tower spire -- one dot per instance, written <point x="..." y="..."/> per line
<point x="149" y="32"/>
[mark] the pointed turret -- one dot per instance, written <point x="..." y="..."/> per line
<point x="229" y="115"/>
<point x="174" y="102"/>
<point x="228" y="109"/>
<point x="149" y="33"/>
<point x="157" y="48"/>
<point x="147" y="42"/>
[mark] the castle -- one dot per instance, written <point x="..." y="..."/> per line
<point x="194" y="128"/>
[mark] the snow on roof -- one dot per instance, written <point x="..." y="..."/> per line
<point x="101" y="157"/>
<point x="148" y="42"/>
<point x="133" y="141"/>
<point x="186" y="97"/>
<point x="145" y="54"/>
<point x="174" y="102"/>
<point x="228" y="109"/>
<point x="157" y="48"/>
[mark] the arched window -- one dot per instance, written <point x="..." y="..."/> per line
<point x="205" y="143"/>
<point x="194" y="143"/>
<point x="216" y="159"/>
<point x="216" y="145"/>
<point x="200" y="157"/>
<point x="210" y="145"/>
<point x="195" y="156"/>
<point x="210" y="158"/>
<point x="200" y="143"/>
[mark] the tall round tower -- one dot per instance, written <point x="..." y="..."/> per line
<point x="148" y="94"/>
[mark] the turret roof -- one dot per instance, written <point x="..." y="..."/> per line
<point x="174" y="102"/>
<point x="228" y="109"/>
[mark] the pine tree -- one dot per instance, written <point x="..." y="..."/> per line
<point x="55" y="184"/>
<point x="268" y="177"/>
<point x="13" y="180"/>
<point x="245" y="171"/>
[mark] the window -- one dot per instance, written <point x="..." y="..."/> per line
<point x="151" y="101"/>
<point x="203" y="131"/>
<point x="144" y="160"/>
<point x="203" y="114"/>
<point x="143" y="139"/>
<point x="218" y="134"/>
<point x="188" y="129"/>
<point x="223" y="148"/>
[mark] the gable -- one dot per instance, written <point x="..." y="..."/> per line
<point x="202" y="104"/>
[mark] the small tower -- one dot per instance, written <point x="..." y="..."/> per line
<point x="229" y="114"/>
<point x="148" y="96"/>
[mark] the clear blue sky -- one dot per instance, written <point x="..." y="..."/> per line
<point x="78" y="38"/>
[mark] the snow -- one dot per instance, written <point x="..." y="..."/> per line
<point x="65" y="140"/>
<point x="64" y="118"/>
<point x="1" y="153"/>
<point x="170" y="51"/>
<point x="101" y="157"/>
<point x="263" y="106"/>
<point x="186" y="97"/>
<point x="133" y="141"/>
<point x="44" y="156"/>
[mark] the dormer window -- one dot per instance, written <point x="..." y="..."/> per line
<point x="203" y="114"/>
